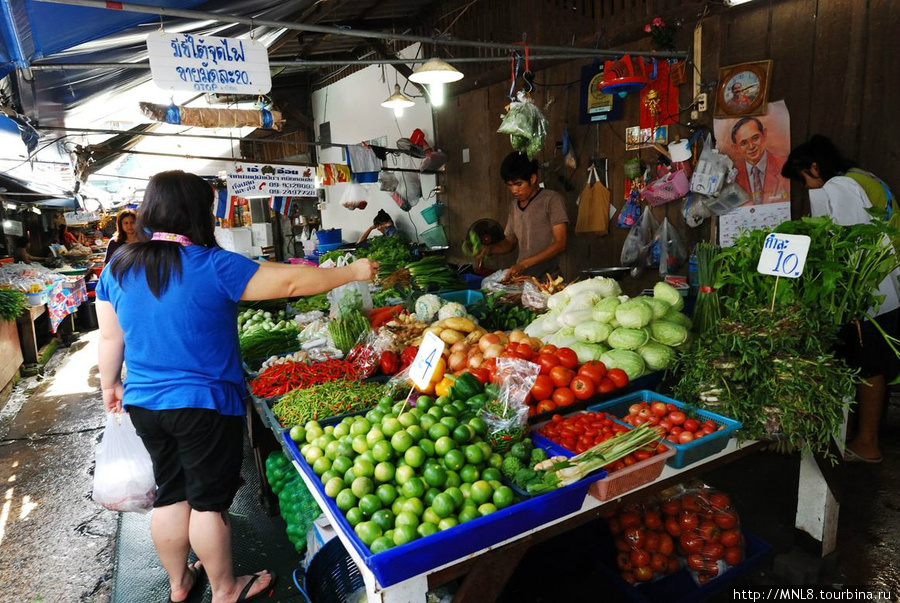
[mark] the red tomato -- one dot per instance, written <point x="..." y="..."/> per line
<point x="666" y="544"/>
<point x="563" y="396"/>
<point x="547" y="362"/>
<point x="481" y="374"/>
<point x="733" y="555"/>
<point x="659" y="409"/>
<point x="674" y="565"/>
<point x="546" y="406"/>
<point x="640" y="557"/>
<point x="629" y="519"/>
<point x="719" y="500"/>
<point x="712" y="568"/>
<point x="634" y="409"/>
<point x="685" y="437"/>
<point x="525" y="351"/>
<point x="542" y="388"/>
<point x="671" y="507"/>
<point x="618" y="377"/>
<point x="690" y="542"/>
<point x="652" y="520"/>
<point x="659" y="562"/>
<point x="688" y="520"/>
<point x="726" y="519"/>
<point x="567" y="357"/>
<point x="643" y="574"/>
<point x="691" y="425"/>
<point x="712" y="551"/>
<point x="672" y="527"/>
<point x="622" y="546"/>
<point x="730" y="538"/>
<point x="635" y="537"/>
<point x="623" y="561"/>
<point x="547" y="349"/>
<point x="709" y="531"/>
<point x="605" y="386"/>
<point x="583" y="387"/>
<point x="677" y="417"/>
<point x="561" y="376"/>
<point x="652" y="541"/>
<point x="594" y="369"/>
<point x="696" y="562"/>
<point x="628" y="577"/>
<point x="615" y="527"/>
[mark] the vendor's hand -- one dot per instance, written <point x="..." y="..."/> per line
<point x="112" y="397"/>
<point x="479" y="257"/>
<point x="515" y="269"/>
<point x="364" y="269"/>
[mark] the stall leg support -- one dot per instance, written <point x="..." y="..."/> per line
<point x="486" y="580"/>
<point x="818" y="503"/>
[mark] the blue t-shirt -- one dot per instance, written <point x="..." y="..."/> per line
<point x="181" y="350"/>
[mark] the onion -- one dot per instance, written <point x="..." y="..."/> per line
<point x="502" y="337"/>
<point x="457" y="361"/>
<point x="487" y="340"/>
<point x="459" y="346"/>
<point x="476" y="360"/>
<point x="493" y="351"/>
<point x="535" y="343"/>
<point x="517" y="336"/>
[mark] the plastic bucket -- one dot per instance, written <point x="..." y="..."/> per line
<point x="434" y="237"/>
<point x="431" y="213"/>
<point x="330" y="236"/>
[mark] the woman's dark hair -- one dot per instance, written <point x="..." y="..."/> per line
<point x="120" y="232"/>
<point x="175" y="202"/>
<point x="517" y="166"/>
<point x="63" y="229"/>
<point x="821" y="151"/>
<point x="382" y="217"/>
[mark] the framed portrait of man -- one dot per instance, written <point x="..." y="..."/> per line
<point x="743" y="89"/>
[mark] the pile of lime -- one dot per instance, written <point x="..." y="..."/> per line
<point x="400" y="473"/>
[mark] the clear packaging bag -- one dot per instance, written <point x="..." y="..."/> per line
<point x="672" y="252"/>
<point x="123" y="471"/>
<point x="636" y="249"/>
<point x="507" y="416"/>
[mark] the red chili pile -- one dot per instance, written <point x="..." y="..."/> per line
<point x="279" y="379"/>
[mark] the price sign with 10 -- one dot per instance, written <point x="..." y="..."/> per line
<point x="422" y="368"/>
<point x="783" y="255"/>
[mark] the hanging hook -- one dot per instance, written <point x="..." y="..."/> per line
<point x="528" y="78"/>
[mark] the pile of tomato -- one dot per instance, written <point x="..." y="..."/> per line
<point x="563" y="382"/>
<point x="699" y="529"/>
<point x="680" y="428"/>
<point x="708" y="531"/>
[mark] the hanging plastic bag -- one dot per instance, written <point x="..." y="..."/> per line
<point x="355" y="197"/>
<point x="711" y="171"/>
<point x="631" y="211"/>
<point x="636" y="249"/>
<point x="526" y="126"/>
<point x="349" y="297"/>
<point x="507" y="416"/>
<point x="123" y="471"/>
<point x="672" y="252"/>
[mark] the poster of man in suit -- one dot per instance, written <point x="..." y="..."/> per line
<point x="759" y="147"/>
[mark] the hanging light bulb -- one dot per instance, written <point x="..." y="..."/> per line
<point x="435" y="71"/>
<point x="436" y="93"/>
<point x="397" y="101"/>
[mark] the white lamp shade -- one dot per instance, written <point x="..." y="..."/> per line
<point x="435" y="71"/>
<point x="397" y="100"/>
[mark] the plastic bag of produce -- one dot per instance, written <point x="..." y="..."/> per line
<point x="507" y="416"/>
<point x="645" y="550"/>
<point x="352" y="296"/>
<point x="493" y="283"/>
<point x="533" y="297"/>
<point x="123" y="473"/>
<point x="526" y="126"/>
<point x="636" y="249"/>
<point x="707" y="528"/>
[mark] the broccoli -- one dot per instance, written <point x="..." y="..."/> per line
<point x="537" y="455"/>
<point x="510" y="466"/>
<point x="519" y="451"/>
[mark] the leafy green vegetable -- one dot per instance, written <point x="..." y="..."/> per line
<point x="12" y="303"/>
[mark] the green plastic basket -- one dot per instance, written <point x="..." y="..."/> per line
<point x="434" y="237"/>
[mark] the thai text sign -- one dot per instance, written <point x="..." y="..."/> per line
<point x="208" y="64"/>
<point x="268" y="180"/>
<point x="783" y="255"/>
<point x="81" y="217"/>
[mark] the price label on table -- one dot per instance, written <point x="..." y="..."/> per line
<point x="783" y="255"/>
<point x="422" y="368"/>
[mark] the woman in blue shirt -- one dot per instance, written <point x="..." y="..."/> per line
<point x="383" y="223"/>
<point x="168" y="307"/>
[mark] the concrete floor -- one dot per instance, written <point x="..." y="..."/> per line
<point x="58" y="546"/>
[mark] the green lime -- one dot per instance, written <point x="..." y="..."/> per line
<point x="457" y="496"/>
<point x="385" y="403"/>
<point x="349" y="476"/>
<point x="373" y="436"/>
<point x="321" y="465"/>
<point x="487" y="508"/>
<point x="341" y="429"/>
<point x="431" y="516"/>
<point x="486" y="450"/>
<point x="455" y="460"/>
<point x="345" y="449"/>
<point x="443" y="401"/>
<point x="407" y="419"/>
<point x="390" y="426"/>
<point x="346" y="500"/>
<point x="382" y="450"/>
<point x="436" y="411"/>
<point x="494" y="483"/>
<point x="397" y="505"/>
<point x="447" y="523"/>
<point x="368" y="504"/>
<point x="453" y="480"/>
<point x="503" y="497"/>
<point x="313" y="453"/>
<point x="404" y="534"/>
<point x="413" y="488"/>
<point x="374" y="416"/>
<point x="416" y="432"/>
<point x="384" y="472"/>
<point x="481" y="492"/>
<point x="444" y="444"/>
<point x="466" y="489"/>
<point x="435" y="476"/>
<point x="417" y="412"/>
<point x="355" y="516"/>
<point x="437" y="431"/>
<point x="333" y="487"/>
<point x="495" y="460"/>
<point x="360" y="426"/>
<point x="443" y="505"/>
<point x="414" y="457"/>
<point x="427" y="421"/>
<point x="430" y="493"/>
<point x="363" y="467"/>
<point x="366" y="456"/>
<point x="406" y="518"/>
<point x="427" y="529"/>
<point x="331" y="449"/>
<point x="491" y="474"/>
<point x="478" y="424"/>
<point x="469" y="474"/>
<point x="361" y="486"/>
<point x="462" y="434"/>
<point x="367" y="531"/>
<point x="401" y="441"/>
<point x="381" y="544"/>
<point x="386" y="493"/>
<point x="468" y="513"/>
<point x="322" y="441"/>
<point x="298" y="433"/>
<point x="403" y="473"/>
<point x="451" y="410"/>
<point x="449" y="421"/>
<point x="474" y="454"/>
<point x="424" y="402"/>
<point x="428" y="446"/>
<point x="384" y="518"/>
<point x="414" y="506"/>
<point x="360" y="444"/>
<point x="328" y="475"/>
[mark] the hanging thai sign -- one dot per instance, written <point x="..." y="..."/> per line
<point x="208" y="63"/>
<point x="251" y="180"/>
<point x="81" y="217"/>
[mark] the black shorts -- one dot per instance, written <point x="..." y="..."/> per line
<point x="865" y="348"/>
<point x="197" y="455"/>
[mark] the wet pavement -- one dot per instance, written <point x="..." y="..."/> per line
<point x="56" y="545"/>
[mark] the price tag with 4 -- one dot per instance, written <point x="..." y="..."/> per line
<point x="422" y="369"/>
<point x="783" y="255"/>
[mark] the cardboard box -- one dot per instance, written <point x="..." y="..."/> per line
<point x="238" y="240"/>
<point x="262" y="234"/>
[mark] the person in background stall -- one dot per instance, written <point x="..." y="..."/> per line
<point x="20" y="251"/>
<point x="187" y="401"/>
<point x="537" y="222"/>
<point x="67" y="238"/>
<point x="383" y="223"/>
<point x="840" y="190"/>
<point x="125" y="233"/>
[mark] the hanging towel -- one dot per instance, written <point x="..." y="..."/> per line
<point x="364" y="163"/>
<point x="593" y="206"/>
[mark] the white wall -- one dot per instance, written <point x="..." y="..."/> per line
<point x="353" y="106"/>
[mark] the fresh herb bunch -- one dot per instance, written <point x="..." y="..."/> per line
<point x="12" y="303"/>
<point x="496" y="313"/>
<point x="774" y="371"/>
<point x="311" y="303"/>
<point x="707" y="311"/>
<point x="391" y="253"/>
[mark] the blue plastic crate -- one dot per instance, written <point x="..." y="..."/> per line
<point x="466" y="297"/>
<point x="422" y="555"/>
<point x="678" y="587"/>
<point x="685" y="454"/>
<point x="472" y="281"/>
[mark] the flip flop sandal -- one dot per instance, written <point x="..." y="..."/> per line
<point x="267" y="592"/>
<point x="198" y="581"/>
<point x="852" y="457"/>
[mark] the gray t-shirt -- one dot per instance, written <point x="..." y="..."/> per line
<point x="533" y="227"/>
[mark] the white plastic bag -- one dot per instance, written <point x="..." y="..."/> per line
<point x="123" y="473"/>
